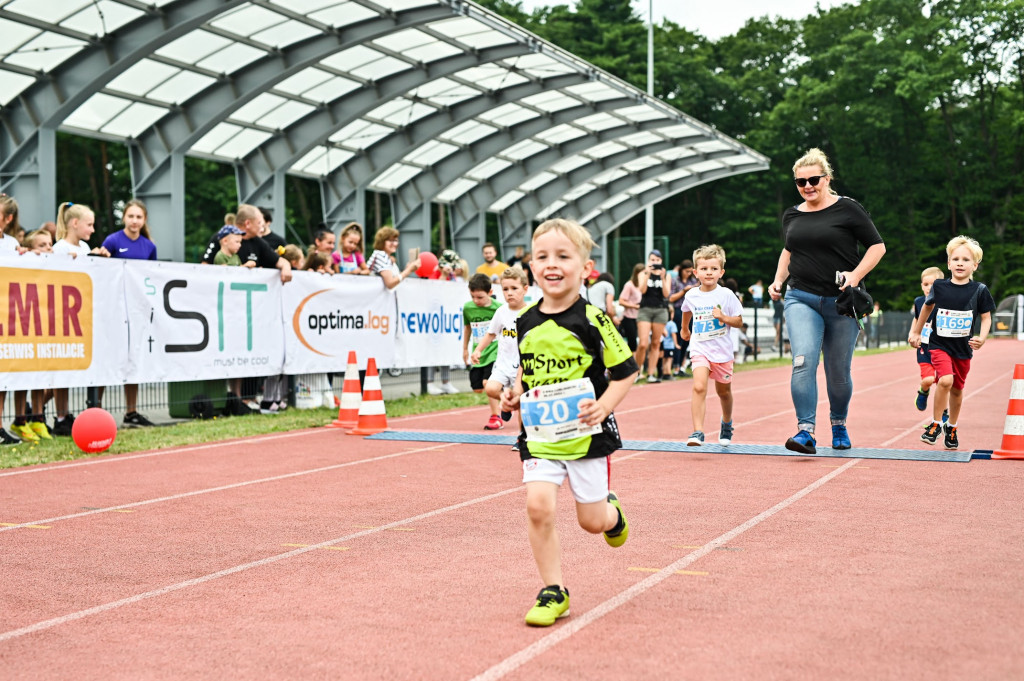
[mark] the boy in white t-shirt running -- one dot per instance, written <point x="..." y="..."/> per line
<point x="503" y="327"/>
<point x="713" y="309"/>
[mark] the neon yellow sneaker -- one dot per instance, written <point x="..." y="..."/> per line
<point x="25" y="432"/>
<point x="40" y="429"/>
<point x="552" y="604"/>
<point x="620" y="537"/>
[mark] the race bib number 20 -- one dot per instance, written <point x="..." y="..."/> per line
<point x="551" y="413"/>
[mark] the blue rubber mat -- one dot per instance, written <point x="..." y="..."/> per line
<point x="660" y="446"/>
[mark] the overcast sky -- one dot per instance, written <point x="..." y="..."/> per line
<point x="711" y="18"/>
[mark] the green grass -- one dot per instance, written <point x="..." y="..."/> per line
<point x="200" y="432"/>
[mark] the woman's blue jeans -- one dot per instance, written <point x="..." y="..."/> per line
<point x="816" y="329"/>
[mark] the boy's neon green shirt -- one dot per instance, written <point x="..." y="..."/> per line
<point x="478" y="319"/>
<point x="578" y="342"/>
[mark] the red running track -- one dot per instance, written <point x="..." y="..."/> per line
<point x="316" y="555"/>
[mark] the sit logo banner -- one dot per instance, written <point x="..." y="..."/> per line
<point x="328" y="316"/>
<point x="196" y="322"/>
<point x="52" y="332"/>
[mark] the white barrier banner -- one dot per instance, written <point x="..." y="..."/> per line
<point x="430" y="323"/>
<point x="199" y="321"/>
<point x="62" y="325"/>
<point x="327" y="316"/>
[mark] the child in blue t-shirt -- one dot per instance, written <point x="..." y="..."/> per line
<point x="924" y="360"/>
<point x="668" y="346"/>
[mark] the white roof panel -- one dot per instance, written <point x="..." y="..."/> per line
<point x="45" y="52"/>
<point x="395" y="177"/>
<point x="100" y="18"/>
<point x="134" y="120"/>
<point x="228" y="60"/>
<point x="193" y="47"/>
<point x="96" y="112"/>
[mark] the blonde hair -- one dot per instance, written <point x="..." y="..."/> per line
<point x="30" y="237"/>
<point x="316" y="260"/>
<point x="816" y="157"/>
<point x="8" y="206"/>
<point x="229" y="218"/>
<point x="574" y="231"/>
<point x="516" y="273"/>
<point x="68" y="211"/>
<point x="710" y="252"/>
<point x="145" y="216"/>
<point x="972" y="245"/>
<point x="932" y="272"/>
<point x="382" y="235"/>
<point x="293" y="254"/>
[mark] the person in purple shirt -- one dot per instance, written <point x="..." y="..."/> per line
<point x="133" y="242"/>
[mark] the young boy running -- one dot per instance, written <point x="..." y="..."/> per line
<point x="503" y="327"/>
<point x="566" y="403"/>
<point x="924" y="361"/>
<point x="958" y="302"/>
<point x="477" y="315"/>
<point x="713" y="308"/>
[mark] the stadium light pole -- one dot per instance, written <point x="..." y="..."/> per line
<point x="649" y="211"/>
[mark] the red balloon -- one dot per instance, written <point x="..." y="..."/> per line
<point x="428" y="263"/>
<point x="94" y="430"/>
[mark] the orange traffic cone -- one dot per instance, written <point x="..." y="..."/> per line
<point x="348" y="410"/>
<point x="372" y="416"/>
<point x="1013" y="431"/>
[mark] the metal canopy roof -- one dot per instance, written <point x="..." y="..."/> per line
<point x="425" y="100"/>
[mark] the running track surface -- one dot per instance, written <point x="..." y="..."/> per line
<point x="316" y="555"/>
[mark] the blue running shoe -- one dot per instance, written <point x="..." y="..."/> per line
<point x="840" y="438"/>
<point x="802" y="442"/>
<point x="922" y="401"/>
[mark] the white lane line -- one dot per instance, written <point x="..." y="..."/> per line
<point x="235" y="485"/>
<point x="574" y="625"/>
<point x="71" y="617"/>
<point x="912" y="429"/>
<point x="117" y="458"/>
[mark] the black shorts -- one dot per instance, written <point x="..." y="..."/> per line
<point x="478" y="375"/>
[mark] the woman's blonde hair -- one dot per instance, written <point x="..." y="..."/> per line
<point x="816" y="157"/>
<point x="972" y="245"/>
<point x="145" y="214"/>
<point x="8" y="206"/>
<point x="574" y="231"/>
<point x="68" y="211"/>
<point x="383" y="234"/>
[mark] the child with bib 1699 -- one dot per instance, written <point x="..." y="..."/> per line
<point x="713" y="309"/>
<point x="961" y="305"/>
<point x="566" y="402"/>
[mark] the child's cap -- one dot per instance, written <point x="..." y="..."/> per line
<point x="228" y="229"/>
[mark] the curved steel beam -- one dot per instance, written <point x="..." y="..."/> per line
<point x="186" y="124"/>
<point x="292" y="143"/>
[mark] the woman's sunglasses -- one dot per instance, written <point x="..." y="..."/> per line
<point x="804" y="181"/>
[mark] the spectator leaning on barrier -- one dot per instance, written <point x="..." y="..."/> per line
<point x="492" y="267"/>
<point x="230" y="238"/>
<point x="348" y="259"/>
<point x="385" y="244"/>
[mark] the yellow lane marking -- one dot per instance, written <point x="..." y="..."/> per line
<point x="326" y="548"/>
<point x="31" y="527"/>
<point x="678" y="572"/>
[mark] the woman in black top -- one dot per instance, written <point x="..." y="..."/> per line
<point x="654" y="285"/>
<point x="821" y="237"/>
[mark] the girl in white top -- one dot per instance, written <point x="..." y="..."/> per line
<point x="75" y="224"/>
<point x="503" y="327"/>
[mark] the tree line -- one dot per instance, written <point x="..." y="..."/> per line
<point x="919" y="105"/>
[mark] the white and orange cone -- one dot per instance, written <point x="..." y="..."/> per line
<point x="1013" y="431"/>
<point x="351" y="397"/>
<point x="372" y="416"/>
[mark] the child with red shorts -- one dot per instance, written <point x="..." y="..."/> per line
<point x="713" y="309"/>
<point x="924" y="361"/>
<point x="959" y="303"/>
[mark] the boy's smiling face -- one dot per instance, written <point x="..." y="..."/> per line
<point x="558" y="267"/>
<point x="962" y="264"/>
